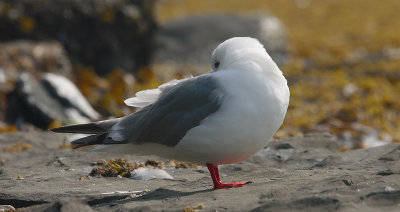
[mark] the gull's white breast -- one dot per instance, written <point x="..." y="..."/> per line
<point x="253" y="108"/>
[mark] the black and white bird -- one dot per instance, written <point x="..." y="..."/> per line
<point x="221" y="117"/>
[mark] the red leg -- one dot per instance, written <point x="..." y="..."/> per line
<point x="217" y="181"/>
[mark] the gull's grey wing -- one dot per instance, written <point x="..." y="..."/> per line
<point x="177" y="110"/>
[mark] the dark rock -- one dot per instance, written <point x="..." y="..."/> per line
<point x="192" y="39"/>
<point x="105" y="34"/>
<point x="52" y="98"/>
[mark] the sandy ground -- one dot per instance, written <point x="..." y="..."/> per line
<point x="302" y="173"/>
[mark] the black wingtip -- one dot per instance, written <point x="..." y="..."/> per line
<point x="60" y="129"/>
<point x="53" y="129"/>
<point x="89" y="140"/>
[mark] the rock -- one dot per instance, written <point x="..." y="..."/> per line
<point x="4" y="208"/>
<point x="51" y="98"/>
<point x="105" y="34"/>
<point x="150" y="173"/>
<point x="65" y="91"/>
<point x="192" y="39"/>
<point x="315" y="176"/>
<point x="33" y="57"/>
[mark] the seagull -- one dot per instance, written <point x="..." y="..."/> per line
<point x="221" y="117"/>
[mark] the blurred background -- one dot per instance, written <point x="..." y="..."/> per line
<point x="72" y="61"/>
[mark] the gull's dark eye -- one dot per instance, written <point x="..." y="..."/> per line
<point x="216" y="64"/>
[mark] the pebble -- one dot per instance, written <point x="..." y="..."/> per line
<point x="150" y="173"/>
<point x="4" y="208"/>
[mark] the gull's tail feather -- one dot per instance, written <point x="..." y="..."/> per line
<point x="89" y="128"/>
<point x="99" y="131"/>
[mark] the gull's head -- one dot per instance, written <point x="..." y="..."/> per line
<point x="238" y="52"/>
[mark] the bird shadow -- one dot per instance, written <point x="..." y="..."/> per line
<point x="158" y="194"/>
<point x="162" y="193"/>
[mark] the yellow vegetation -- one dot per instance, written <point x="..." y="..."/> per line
<point x="345" y="61"/>
<point x="343" y="72"/>
<point x="18" y="147"/>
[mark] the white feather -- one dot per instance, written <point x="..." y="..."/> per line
<point x="148" y="97"/>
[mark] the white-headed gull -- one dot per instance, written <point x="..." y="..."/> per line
<point x="221" y="117"/>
